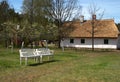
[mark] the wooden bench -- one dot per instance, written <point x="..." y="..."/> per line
<point x="35" y="53"/>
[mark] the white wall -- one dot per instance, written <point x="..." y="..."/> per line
<point x="118" y="43"/>
<point x="98" y="43"/>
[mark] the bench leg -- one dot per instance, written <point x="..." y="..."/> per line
<point x="26" y="61"/>
<point x="40" y="59"/>
<point x="36" y="59"/>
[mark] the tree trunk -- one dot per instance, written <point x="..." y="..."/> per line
<point x="92" y="35"/>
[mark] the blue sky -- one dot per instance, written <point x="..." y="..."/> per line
<point x="111" y="7"/>
<point x="16" y="4"/>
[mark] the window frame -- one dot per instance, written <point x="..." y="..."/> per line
<point x="71" y="41"/>
<point x="82" y="41"/>
<point x="106" y="41"/>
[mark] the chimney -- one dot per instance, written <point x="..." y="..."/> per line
<point x="93" y="17"/>
<point x="81" y="18"/>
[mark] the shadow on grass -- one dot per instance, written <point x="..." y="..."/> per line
<point x="44" y="62"/>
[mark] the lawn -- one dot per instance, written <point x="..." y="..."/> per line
<point x="69" y="66"/>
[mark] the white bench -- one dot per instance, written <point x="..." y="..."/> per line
<point x="44" y="52"/>
<point x="27" y="53"/>
<point x="34" y="53"/>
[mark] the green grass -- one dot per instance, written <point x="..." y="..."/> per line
<point x="68" y="66"/>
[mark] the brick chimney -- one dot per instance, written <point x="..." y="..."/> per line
<point x="81" y="18"/>
<point x="93" y="17"/>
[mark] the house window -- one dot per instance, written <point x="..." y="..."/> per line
<point x="106" y="41"/>
<point x="82" y="41"/>
<point x="71" y="40"/>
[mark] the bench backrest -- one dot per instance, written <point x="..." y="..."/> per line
<point x="43" y="51"/>
<point x="27" y="52"/>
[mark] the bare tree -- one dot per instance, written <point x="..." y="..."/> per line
<point x="95" y="11"/>
<point x="60" y="11"/>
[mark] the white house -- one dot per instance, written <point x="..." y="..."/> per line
<point x="79" y="34"/>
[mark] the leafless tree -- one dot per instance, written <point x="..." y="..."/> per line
<point x="94" y="11"/>
<point x="60" y="11"/>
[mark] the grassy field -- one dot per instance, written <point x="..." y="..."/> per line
<point x="69" y="66"/>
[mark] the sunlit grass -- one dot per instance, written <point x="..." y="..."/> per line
<point x="69" y="66"/>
